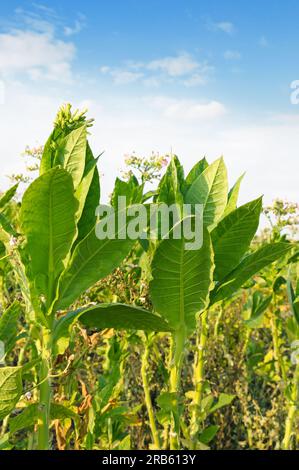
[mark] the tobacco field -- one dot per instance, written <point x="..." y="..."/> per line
<point x="142" y="344"/>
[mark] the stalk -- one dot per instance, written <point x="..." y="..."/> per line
<point x="198" y="375"/>
<point x="279" y="364"/>
<point x="218" y="320"/>
<point x="147" y="396"/>
<point x="175" y="382"/>
<point x="44" y="391"/>
<point x="293" y="407"/>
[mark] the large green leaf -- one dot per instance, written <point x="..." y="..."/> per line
<point x="181" y="281"/>
<point x="85" y="183"/>
<point x="91" y="260"/>
<point x="8" y="325"/>
<point x="87" y="219"/>
<point x="122" y="317"/>
<point x="6" y="197"/>
<point x="210" y="189"/>
<point x="131" y="190"/>
<point x="48" y="221"/>
<point x="47" y="160"/>
<point x="197" y="170"/>
<point x="233" y="196"/>
<point x="171" y="185"/>
<point x="232" y="236"/>
<point x="10" y="389"/>
<point x="72" y="152"/>
<point x="250" y="265"/>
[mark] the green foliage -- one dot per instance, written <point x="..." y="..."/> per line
<point x="249" y="266"/>
<point x="258" y="307"/>
<point x="8" y="325"/>
<point x="6" y="197"/>
<point x="87" y="309"/>
<point x="210" y="190"/>
<point x="48" y="222"/>
<point x="232" y="237"/>
<point x="10" y="389"/>
<point x="181" y="281"/>
<point x="122" y="317"/>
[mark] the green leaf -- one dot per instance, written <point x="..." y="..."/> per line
<point x="29" y="416"/>
<point x="6" y="225"/>
<point x="125" y="443"/>
<point x="293" y="300"/>
<point x="10" y="389"/>
<point x="48" y="221"/>
<point x="210" y="189"/>
<point x="259" y="306"/>
<point x="91" y="260"/>
<point x="250" y="265"/>
<point x="122" y="317"/>
<point x="167" y="401"/>
<point x="6" y="197"/>
<point x="232" y="236"/>
<point x="223" y="400"/>
<point x="278" y="283"/>
<point x="61" y="332"/>
<point x="92" y="198"/>
<point x="58" y="411"/>
<point x="25" y="419"/>
<point x="208" y="434"/>
<point x="181" y="281"/>
<point x="85" y="183"/>
<point x="72" y="152"/>
<point x="197" y="170"/>
<point x="131" y="190"/>
<point x="4" y="442"/>
<point x="233" y="196"/>
<point x="8" y="325"/>
<point x="171" y="185"/>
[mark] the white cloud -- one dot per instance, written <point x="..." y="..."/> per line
<point x="174" y="66"/>
<point x="35" y="21"/>
<point x="119" y="76"/>
<point x="105" y="69"/>
<point x="232" y="55"/>
<point x="182" y="68"/>
<point x="123" y="77"/>
<point x="79" y="24"/>
<point x="224" y="26"/>
<point x="184" y="109"/>
<point x="39" y="55"/>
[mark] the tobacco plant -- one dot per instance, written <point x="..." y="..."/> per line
<point x="186" y="284"/>
<point x="58" y="257"/>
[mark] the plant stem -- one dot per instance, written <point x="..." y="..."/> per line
<point x="147" y="395"/>
<point x="218" y="320"/>
<point x="293" y="407"/>
<point x="198" y="375"/>
<point x="279" y="364"/>
<point x="44" y="391"/>
<point x="179" y="338"/>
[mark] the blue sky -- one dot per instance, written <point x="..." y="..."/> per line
<point x="200" y="77"/>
